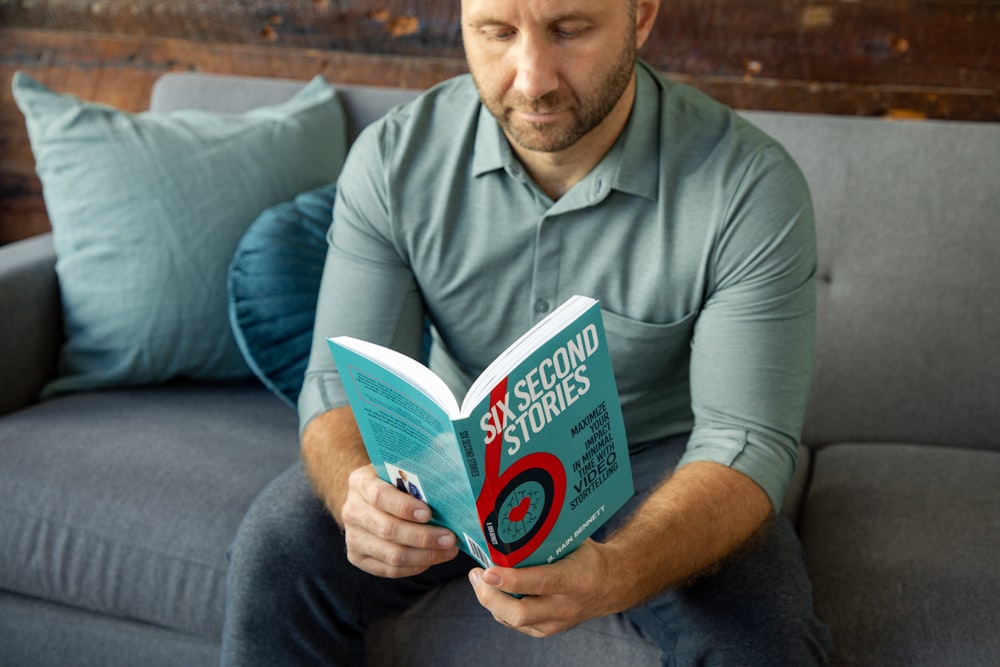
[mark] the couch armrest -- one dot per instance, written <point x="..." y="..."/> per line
<point x="30" y="320"/>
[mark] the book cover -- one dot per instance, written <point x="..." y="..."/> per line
<point x="533" y="461"/>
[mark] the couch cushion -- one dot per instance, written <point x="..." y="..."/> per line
<point x="124" y="502"/>
<point x="908" y="235"/>
<point x="901" y="543"/>
<point x="230" y="92"/>
<point x="146" y="211"/>
<point x="30" y="320"/>
<point x="273" y="284"/>
<point x="79" y="638"/>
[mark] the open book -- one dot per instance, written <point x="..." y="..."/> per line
<point x="531" y="463"/>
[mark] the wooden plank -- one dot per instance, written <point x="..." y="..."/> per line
<point x="924" y="43"/>
<point x="889" y="101"/>
<point x="898" y="42"/>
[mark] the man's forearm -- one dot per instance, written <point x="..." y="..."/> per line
<point x="331" y="449"/>
<point x="691" y="521"/>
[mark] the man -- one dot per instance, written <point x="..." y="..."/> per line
<point x="404" y="484"/>
<point x="562" y="167"/>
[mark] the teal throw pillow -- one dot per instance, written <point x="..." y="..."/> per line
<point x="274" y="280"/>
<point x="147" y="210"/>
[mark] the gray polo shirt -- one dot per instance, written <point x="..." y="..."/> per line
<point x="695" y="232"/>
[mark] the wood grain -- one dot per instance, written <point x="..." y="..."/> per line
<point x="895" y="58"/>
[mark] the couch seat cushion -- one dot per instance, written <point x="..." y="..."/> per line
<point x="901" y="543"/>
<point x="124" y="503"/>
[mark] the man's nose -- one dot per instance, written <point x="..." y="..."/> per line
<point x="537" y="65"/>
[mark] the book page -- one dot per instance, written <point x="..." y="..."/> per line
<point x="410" y="370"/>
<point x="523" y="347"/>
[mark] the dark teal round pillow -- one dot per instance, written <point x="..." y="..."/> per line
<point x="273" y="284"/>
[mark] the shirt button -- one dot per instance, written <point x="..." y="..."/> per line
<point x="541" y="306"/>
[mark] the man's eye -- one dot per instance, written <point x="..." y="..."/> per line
<point x="500" y="35"/>
<point x="569" y="32"/>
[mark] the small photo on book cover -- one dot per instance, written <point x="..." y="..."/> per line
<point x="406" y="481"/>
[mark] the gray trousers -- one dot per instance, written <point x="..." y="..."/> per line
<point x="294" y="599"/>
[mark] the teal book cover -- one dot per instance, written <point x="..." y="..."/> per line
<point x="532" y="462"/>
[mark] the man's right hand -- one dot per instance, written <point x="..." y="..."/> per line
<point x="386" y="529"/>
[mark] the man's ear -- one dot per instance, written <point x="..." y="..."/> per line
<point x="645" y="17"/>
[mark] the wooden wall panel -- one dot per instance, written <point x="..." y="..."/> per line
<point x="120" y="71"/>
<point x="896" y="58"/>
<point x="900" y="42"/>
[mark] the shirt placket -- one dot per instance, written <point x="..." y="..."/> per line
<point x="545" y="274"/>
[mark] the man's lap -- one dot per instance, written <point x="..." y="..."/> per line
<point x="290" y="541"/>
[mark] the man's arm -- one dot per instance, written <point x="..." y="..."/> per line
<point x="694" y="519"/>
<point x="709" y="511"/>
<point x="331" y="450"/>
<point x="384" y="528"/>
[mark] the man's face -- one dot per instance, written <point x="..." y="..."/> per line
<point x="549" y="71"/>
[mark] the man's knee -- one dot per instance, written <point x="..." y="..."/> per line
<point x="756" y="608"/>
<point x="693" y="631"/>
<point x="285" y="532"/>
<point x="279" y="609"/>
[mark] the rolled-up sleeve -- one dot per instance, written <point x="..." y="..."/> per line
<point x="752" y="354"/>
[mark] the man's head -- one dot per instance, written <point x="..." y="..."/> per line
<point x="552" y="71"/>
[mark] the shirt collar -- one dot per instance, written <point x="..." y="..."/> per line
<point x="636" y="170"/>
<point x="631" y="164"/>
<point x="492" y="151"/>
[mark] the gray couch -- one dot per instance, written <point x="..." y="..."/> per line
<point x="118" y="506"/>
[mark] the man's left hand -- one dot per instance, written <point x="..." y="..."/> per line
<point x="557" y="596"/>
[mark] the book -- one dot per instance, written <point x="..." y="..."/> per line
<point x="534" y="459"/>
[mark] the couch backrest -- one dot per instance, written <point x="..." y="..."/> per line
<point x="908" y="218"/>
<point x="908" y="223"/>
<point x="194" y="90"/>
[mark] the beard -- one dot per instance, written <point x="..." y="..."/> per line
<point x="586" y="111"/>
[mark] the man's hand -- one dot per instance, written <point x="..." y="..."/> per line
<point x="558" y="596"/>
<point x="385" y="529"/>
<point x="706" y="509"/>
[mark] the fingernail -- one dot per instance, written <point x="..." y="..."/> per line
<point x="447" y="541"/>
<point x="422" y="514"/>
<point x="474" y="577"/>
<point x="492" y="578"/>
